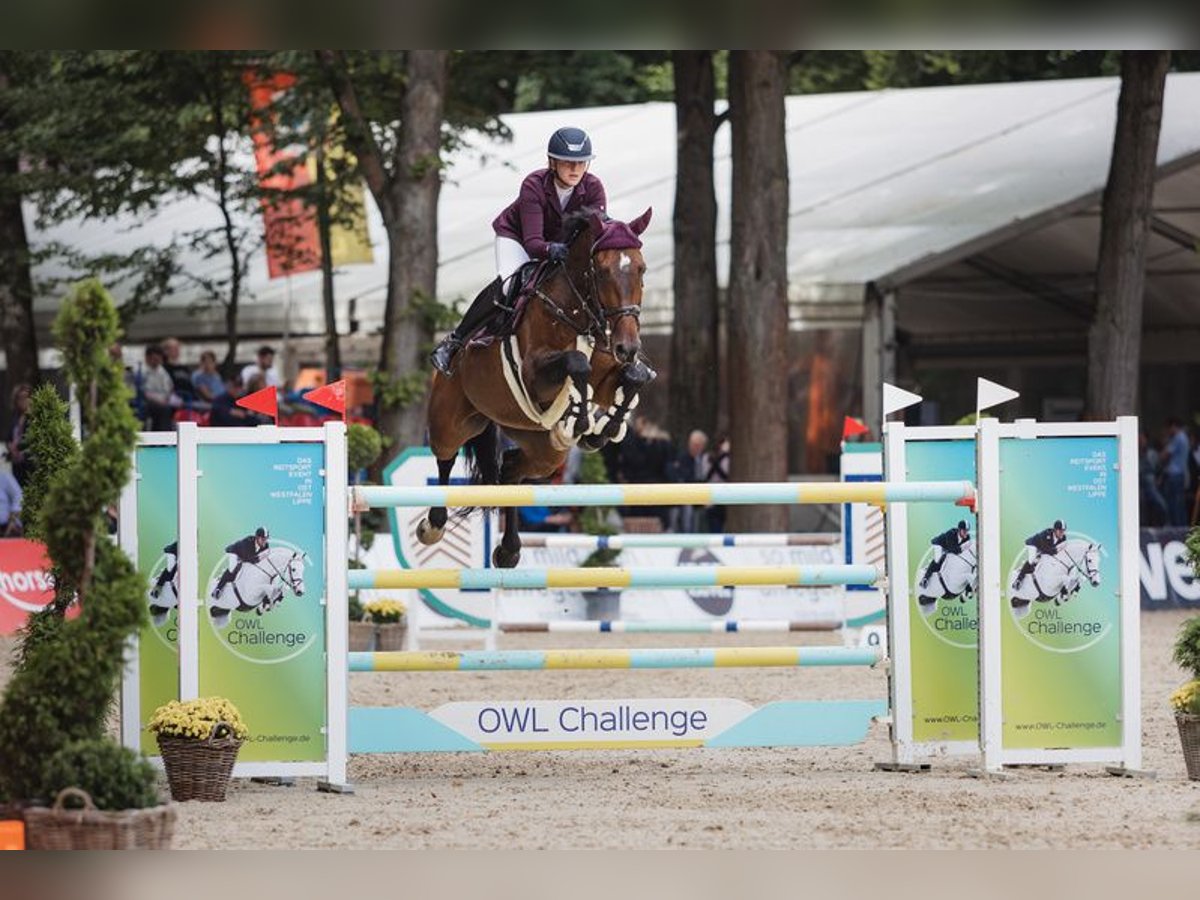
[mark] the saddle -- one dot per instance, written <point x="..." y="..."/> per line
<point x="520" y="287"/>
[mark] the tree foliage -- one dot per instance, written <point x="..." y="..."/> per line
<point x="69" y="670"/>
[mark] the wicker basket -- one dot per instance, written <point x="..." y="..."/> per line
<point x="1189" y="735"/>
<point x="59" y="828"/>
<point x="199" y="768"/>
<point x="362" y="636"/>
<point x="390" y="635"/>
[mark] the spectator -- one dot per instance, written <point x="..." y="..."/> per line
<point x="265" y="366"/>
<point x="645" y="457"/>
<point x="206" y="380"/>
<point x="10" y="506"/>
<point x="158" y="392"/>
<point x="1153" y="507"/>
<point x="716" y="471"/>
<point x="22" y="465"/>
<point x="225" y="411"/>
<point x="689" y="467"/>
<point x="1175" y="472"/>
<point x="181" y="375"/>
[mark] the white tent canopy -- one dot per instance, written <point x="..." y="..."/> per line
<point x="976" y="204"/>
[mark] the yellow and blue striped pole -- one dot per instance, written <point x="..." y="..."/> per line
<point x="877" y="492"/>
<point x="642" y="577"/>
<point x="654" y="658"/>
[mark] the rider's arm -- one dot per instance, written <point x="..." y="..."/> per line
<point x="533" y="219"/>
<point x="595" y="196"/>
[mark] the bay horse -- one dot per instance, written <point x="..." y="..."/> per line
<point x="568" y="373"/>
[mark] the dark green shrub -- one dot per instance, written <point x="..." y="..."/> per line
<point x="1187" y="647"/>
<point x="115" y="777"/>
<point x="69" y="671"/>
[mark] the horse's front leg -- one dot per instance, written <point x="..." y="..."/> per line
<point x="612" y="424"/>
<point x="507" y="553"/>
<point x="431" y="528"/>
<point x="550" y="371"/>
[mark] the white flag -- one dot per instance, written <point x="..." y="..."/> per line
<point x="896" y="399"/>
<point x="988" y="394"/>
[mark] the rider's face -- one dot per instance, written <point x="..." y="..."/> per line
<point x="568" y="173"/>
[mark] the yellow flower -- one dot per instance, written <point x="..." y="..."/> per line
<point x="1187" y="698"/>
<point x="197" y="718"/>
<point x="384" y="610"/>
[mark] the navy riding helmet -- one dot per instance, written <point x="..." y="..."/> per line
<point x="571" y="144"/>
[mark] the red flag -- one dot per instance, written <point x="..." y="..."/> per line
<point x="330" y="396"/>
<point x="265" y="401"/>
<point x="852" y="426"/>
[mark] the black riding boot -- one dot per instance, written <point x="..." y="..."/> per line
<point x="481" y="310"/>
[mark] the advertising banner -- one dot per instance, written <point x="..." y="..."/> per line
<point x="25" y="584"/>
<point x="262" y="582"/>
<point x="1060" y="562"/>
<point x="1168" y="581"/>
<point x="943" y="581"/>
<point x="157" y="559"/>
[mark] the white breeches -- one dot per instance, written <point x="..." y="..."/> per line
<point x="510" y="256"/>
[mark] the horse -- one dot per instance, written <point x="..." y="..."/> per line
<point x="958" y="576"/>
<point x="259" y="585"/>
<point x="164" y="596"/>
<point x="1057" y="576"/>
<point x="569" y="373"/>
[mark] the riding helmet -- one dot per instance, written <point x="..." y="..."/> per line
<point x="261" y="532"/>
<point x="571" y="144"/>
<point x="962" y="525"/>
<point x="1059" y="526"/>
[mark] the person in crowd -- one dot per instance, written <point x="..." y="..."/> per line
<point x="206" y="380"/>
<point x="18" y="454"/>
<point x="645" y="457"/>
<point x="10" y="505"/>
<point x="1174" y="464"/>
<point x="158" y="392"/>
<point x="716" y="471"/>
<point x="263" y="365"/>
<point x="225" y="411"/>
<point x="689" y="467"/>
<point x="530" y="228"/>
<point x="181" y="375"/>
<point x="1153" y="506"/>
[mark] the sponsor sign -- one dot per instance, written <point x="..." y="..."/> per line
<point x="25" y="583"/>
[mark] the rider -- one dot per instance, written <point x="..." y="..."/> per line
<point x="168" y="572"/>
<point x="950" y="541"/>
<point x="247" y="550"/>
<point x="1045" y="541"/>
<point x="530" y="226"/>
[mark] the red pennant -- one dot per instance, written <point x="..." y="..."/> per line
<point x="852" y="426"/>
<point x="330" y="396"/>
<point x="265" y="401"/>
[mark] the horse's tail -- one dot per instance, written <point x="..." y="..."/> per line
<point x="482" y="454"/>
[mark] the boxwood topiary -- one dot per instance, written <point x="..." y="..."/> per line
<point x="115" y="777"/>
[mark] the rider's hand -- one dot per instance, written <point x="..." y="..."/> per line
<point x="556" y="252"/>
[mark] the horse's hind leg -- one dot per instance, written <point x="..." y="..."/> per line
<point x="432" y="527"/>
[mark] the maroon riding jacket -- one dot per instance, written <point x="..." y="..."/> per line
<point x="535" y="217"/>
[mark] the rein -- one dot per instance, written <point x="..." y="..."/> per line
<point x="282" y="577"/>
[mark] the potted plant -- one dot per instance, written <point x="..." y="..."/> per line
<point x="53" y="716"/>
<point x="362" y="631"/>
<point x="1186" y="700"/>
<point x="390" y="620"/>
<point x="601" y="602"/>
<point x="199" y="741"/>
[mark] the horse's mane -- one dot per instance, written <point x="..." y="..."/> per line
<point x="579" y="221"/>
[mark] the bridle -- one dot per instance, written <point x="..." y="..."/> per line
<point x="286" y="577"/>
<point x="599" y="320"/>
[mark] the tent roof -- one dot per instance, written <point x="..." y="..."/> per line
<point x="987" y="193"/>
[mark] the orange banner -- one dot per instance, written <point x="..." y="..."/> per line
<point x="25" y="584"/>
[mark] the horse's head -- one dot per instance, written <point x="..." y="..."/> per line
<point x="1091" y="564"/>
<point x="609" y="253"/>
<point x="295" y="573"/>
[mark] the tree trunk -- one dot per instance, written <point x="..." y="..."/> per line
<point x="758" y="301"/>
<point x="16" y="288"/>
<point x="333" y="352"/>
<point x="412" y="244"/>
<point x="1115" y="336"/>
<point x="694" y="366"/>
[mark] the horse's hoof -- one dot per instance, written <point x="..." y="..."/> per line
<point x="428" y="534"/>
<point x="503" y="559"/>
